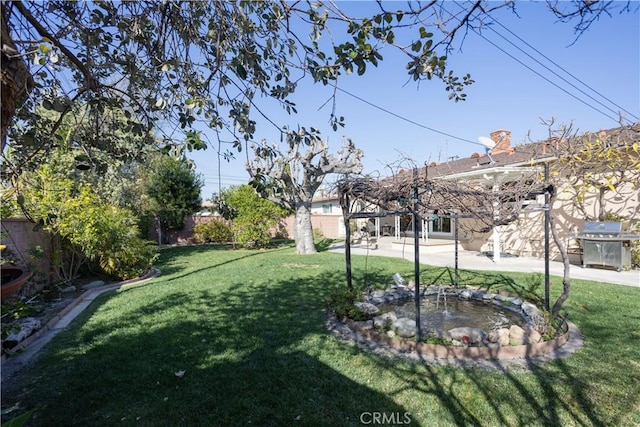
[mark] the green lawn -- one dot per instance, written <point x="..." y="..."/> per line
<point x="248" y="329"/>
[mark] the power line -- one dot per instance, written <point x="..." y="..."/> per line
<point x="545" y="78"/>
<point x="538" y="74"/>
<point x="561" y="68"/>
<point x="524" y="65"/>
<point x="406" y="119"/>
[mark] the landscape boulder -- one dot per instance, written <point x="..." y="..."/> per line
<point x="467" y="335"/>
<point x="405" y="327"/>
<point x="367" y="307"/>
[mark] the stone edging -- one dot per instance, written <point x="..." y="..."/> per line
<point x="363" y="333"/>
<point x="483" y="353"/>
<point x="89" y="294"/>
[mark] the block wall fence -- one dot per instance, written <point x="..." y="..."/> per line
<point x="19" y="237"/>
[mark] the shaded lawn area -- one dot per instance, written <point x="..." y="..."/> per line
<point x="248" y="329"/>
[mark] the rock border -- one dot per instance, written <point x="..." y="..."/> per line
<point x="441" y="351"/>
<point x="66" y="315"/>
<point x="363" y="333"/>
<point x="516" y="357"/>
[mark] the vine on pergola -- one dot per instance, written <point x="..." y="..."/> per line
<point x="607" y="161"/>
<point x="396" y="195"/>
<point x="416" y="193"/>
<point x="580" y="162"/>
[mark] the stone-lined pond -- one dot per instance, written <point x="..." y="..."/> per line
<point x="442" y="314"/>
<point x="460" y="316"/>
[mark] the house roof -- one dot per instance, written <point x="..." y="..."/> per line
<point x="482" y="162"/>
<point x="525" y="154"/>
<point x="325" y="197"/>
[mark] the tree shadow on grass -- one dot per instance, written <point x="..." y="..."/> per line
<point x="255" y="350"/>
<point x="171" y="269"/>
<point x="238" y="348"/>
<point x="324" y="244"/>
<point x="559" y="390"/>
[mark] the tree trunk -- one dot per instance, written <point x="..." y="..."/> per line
<point x="15" y="78"/>
<point x="601" y="213"/>
<point x="304" y="229"/>
<point x="566" y="279"/>
<point x="159" y="230"/>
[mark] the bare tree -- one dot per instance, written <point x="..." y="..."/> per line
<point x="291" y="176"/>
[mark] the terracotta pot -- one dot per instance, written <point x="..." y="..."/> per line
<point x="13" y="278"/>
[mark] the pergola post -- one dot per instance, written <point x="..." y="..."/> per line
<point x="455" y="238"/>
<point x="496" y="232"/>
<point x="547" y="221"/>
<point x="416" y="255"/>
<point x="347" y="243"/>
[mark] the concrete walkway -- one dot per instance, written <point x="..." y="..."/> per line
<point x="471" y="260"/>
<point x="32" y="345"/>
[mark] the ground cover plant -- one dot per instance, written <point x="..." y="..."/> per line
<point x="238" y="337"/>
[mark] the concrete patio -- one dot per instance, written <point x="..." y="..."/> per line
<point x="438" y="254"/>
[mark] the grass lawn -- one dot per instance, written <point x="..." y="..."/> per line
<point x="248" y="330"/>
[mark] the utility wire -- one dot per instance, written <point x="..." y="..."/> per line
<point x="406" y="119"/>
<point x="524" y="65"/>
<point x="560" y="67"/>
<point x="537" y="73"/>
<point x="545" y="78"/>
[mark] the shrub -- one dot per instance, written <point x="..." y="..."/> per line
<point x="253" y="217"/>
<point x="108" y="235"/>
<point x="317" y="234"/>
<point x="105" y="234"/>
<point x="251" y="233"/>
<point x="129" y="259"/>
<point x="215" y="231"/>
<point x="342" y="303"/>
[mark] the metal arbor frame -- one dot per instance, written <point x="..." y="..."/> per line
<point x="416" y="194"/>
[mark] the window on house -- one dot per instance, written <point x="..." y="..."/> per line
<point x="326" y="208"/>
<point x="442" y="225"/>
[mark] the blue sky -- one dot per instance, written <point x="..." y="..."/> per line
<point x="505" y="95"/>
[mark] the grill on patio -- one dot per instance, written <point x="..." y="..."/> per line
<point x="604" y="244"/>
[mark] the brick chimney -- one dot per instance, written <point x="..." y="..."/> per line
<point x="502" y="138"/>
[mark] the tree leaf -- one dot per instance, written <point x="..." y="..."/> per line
<point x="241" y="71"/>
